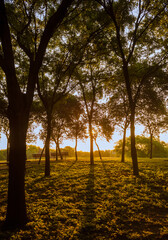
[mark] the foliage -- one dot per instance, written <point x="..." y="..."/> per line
<point x="70" y="151"/>
<point x="31" y="149"/>
<point x="160" y="149"/>
<point x="118" y="106"/>
<point x="3" y="154"/>
<point x="152" y="109"/>
<point x="104" y="201"/>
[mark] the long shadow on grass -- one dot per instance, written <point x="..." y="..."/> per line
<point x="155" y="186"/>
<point x="107" y="172"/>
<point x="67" y="169"/>
<point x="156" y="213"/>
<point x="39" y="179"/>
<point x="88" y="226"/>
<point x="46" y="182"/>
<point x="6" y="234"/>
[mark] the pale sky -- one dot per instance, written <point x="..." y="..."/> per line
<point x="85" y="146"/>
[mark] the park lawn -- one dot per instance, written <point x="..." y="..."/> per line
<point x="104" y="201"/>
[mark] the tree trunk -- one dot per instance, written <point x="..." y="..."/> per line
<point x="41" y="155"/>
<point x="56" y="152"/>
<point x="19" y="110"/>
<point x="91" y="144"/>
<point x="98" y="150"/>
<point x="123" y="144"/>
<point x="47" y="147"/>
<point x="60" y="151"/>
<point x="16" y="207"/>
<point x="133" y="147"/>
<point x="76" y="154"/>
<point x="132" y="118"/>
<point x="151" y="146"/>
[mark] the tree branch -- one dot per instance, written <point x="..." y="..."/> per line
<point x="52" y="24"/>
<point x="24" y="48"/>
<point x="8" y="62"/>
<point x="135" y="37"/>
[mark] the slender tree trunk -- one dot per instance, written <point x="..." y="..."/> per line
<point x="133" y="147"/>
<point x="76" y="154"/>
<point x="47" y="147"/>
<point x="41" y="154"/>
<point x="123" y="144"/>
<point x="132" y="119"/>
<point x="151" y="146"/>
<point x="98" y="150"/>
<point x="16" y="207"/>
<point x="91" y="144"/>
<point x="56" y="152"/>
<point x="60" y="151"/>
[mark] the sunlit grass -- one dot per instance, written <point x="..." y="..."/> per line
<point x="104" y="201"/>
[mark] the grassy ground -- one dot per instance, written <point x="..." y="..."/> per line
<point x="104" y="201"/>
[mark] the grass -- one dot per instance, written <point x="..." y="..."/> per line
<point x="104" y="201"/>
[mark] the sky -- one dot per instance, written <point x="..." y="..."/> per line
<point x="85" y="146"/>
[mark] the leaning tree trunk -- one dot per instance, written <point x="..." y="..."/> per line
<point x="98" y="150"/>
<point x="91" y="144"/>
<point x="133" y="147"/>
<point x="60" y="151"/>
<point x="41" y="155"/>
<point x="16" y="206"/>
<point x="151" y="146"/>
<point x="47" y="147"/>
<point x="76" y="154"/>
<point x="123" y="144"/>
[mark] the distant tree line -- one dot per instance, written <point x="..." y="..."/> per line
<point x="160" y="148"/>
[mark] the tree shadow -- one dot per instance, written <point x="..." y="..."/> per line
<point x="6" y="232"/>
<point x="88" y="229"/>
<point x="67" y="169"/>
<point x="39" y="179"/>
<point x="107" y="172"/>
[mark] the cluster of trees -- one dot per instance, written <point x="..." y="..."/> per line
<point x="54" y="51"/>
<point x="143" y="146"/>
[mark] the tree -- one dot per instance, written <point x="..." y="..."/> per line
<point x="90" y="82"/>
<point x="18" y="32"/>
<point x="128" y="37"/>
<point x="76" y="122"/>
<point x="152" y="113"/>
<point x="67" y="121"/>
<point x="160" y="149"/>
<point x="58" y="127"/>
<point x="104" y="127"/>
<point x="51" y="90"/>
<point x="119" y="111"/>
<point x="57" y="72"/>
<point x="153" y="124"/>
